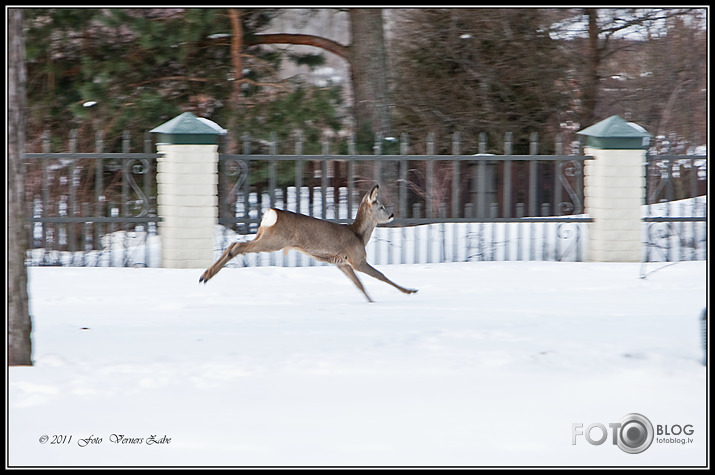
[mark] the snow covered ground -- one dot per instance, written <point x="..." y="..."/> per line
<point x="491" y="363"/>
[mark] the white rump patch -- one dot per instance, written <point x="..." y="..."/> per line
<point x="269" y="218"/>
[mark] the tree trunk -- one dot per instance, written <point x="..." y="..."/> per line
<point x="234" y="101"/>
<point x="589" y="87"/>
<point x="368" y="60"/>
<point x="19" y="323"/>
<point x="367" y="55"/>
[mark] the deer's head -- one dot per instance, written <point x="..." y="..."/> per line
<point x="374" y="208"/>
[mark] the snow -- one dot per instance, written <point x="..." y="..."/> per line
<point x="491" y="363"/>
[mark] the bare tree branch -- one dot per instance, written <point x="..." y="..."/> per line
<point x="299" y="39"/>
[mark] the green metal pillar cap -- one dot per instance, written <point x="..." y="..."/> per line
<point x="615" y="133"/>
<point x="187" y="129"/>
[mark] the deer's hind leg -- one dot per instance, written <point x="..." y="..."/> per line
<point x="262" y="243"/>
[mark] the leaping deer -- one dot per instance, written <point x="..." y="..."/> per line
<point x="339" y="244"/>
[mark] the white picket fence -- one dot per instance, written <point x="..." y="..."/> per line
<point x="439" y="242"/>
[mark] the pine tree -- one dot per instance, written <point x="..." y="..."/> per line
<point x="140" y="67"/>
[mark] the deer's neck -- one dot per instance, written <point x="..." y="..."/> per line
<point x="363" y="227"/>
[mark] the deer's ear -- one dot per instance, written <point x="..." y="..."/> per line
<point x="372" y="196"/>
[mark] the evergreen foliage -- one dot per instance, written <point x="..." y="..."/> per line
<point x="140" y="67"/>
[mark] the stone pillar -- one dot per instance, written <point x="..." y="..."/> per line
<point x="614" y="189"/>
<point x="187" y="190"/>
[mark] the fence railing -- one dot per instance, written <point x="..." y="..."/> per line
<point x="91" y="209"/>
<point x="98" y="209"/>
<point x="676" y="212"/>
<point x="518" y="206"/>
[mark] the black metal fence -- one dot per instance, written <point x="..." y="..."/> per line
<point x="99" y="209"/>
<point x="92" y="209"/>
<point x="675" y="215"/>
<point x="482" y="206"/>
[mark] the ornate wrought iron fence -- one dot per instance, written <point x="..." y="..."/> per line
<point x="95" y="209"/>
<point x="92" y="209"/>
<point x="448" y="207"/>
<point x="675" y="214"/>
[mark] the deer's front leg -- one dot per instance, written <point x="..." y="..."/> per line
<point x="230" y="252"/>
<point x="372" y="272"/>
<point x="348" y="271"/>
